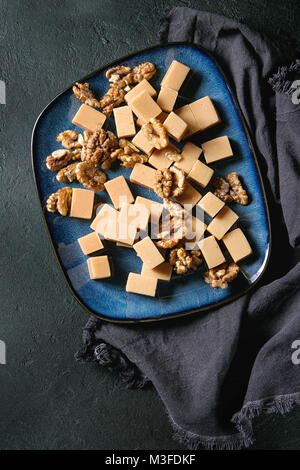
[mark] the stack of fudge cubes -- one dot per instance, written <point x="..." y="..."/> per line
<point x="128" y="216"/>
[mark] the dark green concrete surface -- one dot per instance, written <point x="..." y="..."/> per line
<point x="47" y="400"/>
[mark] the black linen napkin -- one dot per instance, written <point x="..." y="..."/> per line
<point x="216" y="371"/>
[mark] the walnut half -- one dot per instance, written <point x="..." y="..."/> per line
<point x="85" y="95"/>
<point x="220" y="276"/>
<point x="156" y="133"/>
<point x="169" y="182"/>
<point x="60" y="201"/>
<point x="182" y="261"/>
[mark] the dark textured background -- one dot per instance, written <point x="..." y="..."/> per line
<point x="48" y="401"/>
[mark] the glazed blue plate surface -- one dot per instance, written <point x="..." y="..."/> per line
<point x="183" y="294"/>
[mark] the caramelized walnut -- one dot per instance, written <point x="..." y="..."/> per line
<point x="90" y="176"/>
<point x="99" y="148"/>
<point x="128" y="154"/>
<point x="230" y="189"/>
<point x="145" y="70"/>
<point x="60" y="201"/>
<point x="156" y="133"/>
<point x="182" y="261"/>
<point x="58" y="159"/>
<point x="112" y="98"/>
<point x="169" y="182"/>
<point x="85" y="95"/>
<point x="220" y="276"/>
<point x="67" y="174"/>
<point x="120" y="76"/>
<point x="237" y="192"/>
<point x="222" y="189"/>
<point x="70" y="139"/>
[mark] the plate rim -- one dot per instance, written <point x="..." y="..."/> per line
<point x="169" y="316"/>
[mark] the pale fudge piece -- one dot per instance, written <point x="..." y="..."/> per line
<point x="88" y="118"/>
<point x="237" y="245"/>
<point x="90" y="243"/>
<point x="124" y="122"/>
<point x="195" y="231"/>
<point x="201" y="174"/>
<point x="167" y="98"/>
<point x="211" y="252"/>
<point x="189" y="196"/>
<point x="138" y="284"/>
<point x="144" y="106"/>
<point x="119" y="191"/>
<point x="217" y="149"/>
<point x="189" y="155"/>
<point x="187" y="115"/>
<point x="140" y="214"/>
<point x="148" y="252"/>
<point x="105" y="214"/>
<point x="222" y="222"/>
<point x="175" y="126"/>
<point x="159" y="159"/>
<point x="211" y="204"/>
<point x="205" y="113"/>
<point x="144" y="144"/>
<point x="154" y="207"/>
<point x="126" y="227"/>
<point x="162" y="272"/>
<point x="144" y="85"/>
<point x="175" y="76"/>
<point x="99" y="267"/>
<point x="82" y="204"/>
<point x="143" y="176"/>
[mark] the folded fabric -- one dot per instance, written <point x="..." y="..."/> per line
<point x="215" y="371"/>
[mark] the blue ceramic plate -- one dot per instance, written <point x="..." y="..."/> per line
<point x="184" y="294"/>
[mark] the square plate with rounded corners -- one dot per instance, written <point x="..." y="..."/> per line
<point x="108" y="299"/>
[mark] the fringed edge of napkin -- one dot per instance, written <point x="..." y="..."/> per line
<point x="97" y="350"/>
<point x="283" y="79"/>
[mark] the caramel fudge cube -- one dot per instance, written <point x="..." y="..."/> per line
<point x="187" y="115"/>
<point x="127" y="226"/>
<point x="201" y="174"/>
<point x="222" y="222"/>
<point x="144" y="106"/>
<point x="175" y="76"/>
<point x="217" y="149"/>
<point x="123" y="245"/>
<point x="189" y="155"/>
<point x="175" y="126"/>
<point x="99" y="267"/>
<point x="159" y="158"/>
<point x="211" y="252"/>
<point x="195" y="230"/>
<point x="144" y="144"/>
<point x="90" y="243"/>
<point x="190" y="196"/>
<point x="124" y="122"/>
<point x="162" y="272"/>
<point x="211" y="204"/>
<point x="167" y="98"/>
<point x="205" y="113"/>
<point x="148" y="252"/>
<point x="82" y="203"/>
<point x="138" y="284"/>
<point x="144" y="85"/>
<point x="119" y="191"/>
<point x="143" y="176"/>
<point x="105" y="214"/>
<point x="88" y="118"/>
<point x="140" y="215"/>
<point x="237" y="245"/>
<point x="154" y="207"/>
